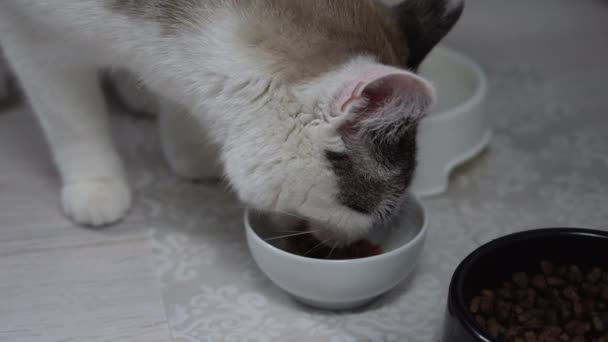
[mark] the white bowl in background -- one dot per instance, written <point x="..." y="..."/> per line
<point x="456" y="130"/>
<point x="341" y="284"/>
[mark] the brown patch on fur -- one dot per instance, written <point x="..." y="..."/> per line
<point x="303" y="39"/>
<point x="172" y="15"/>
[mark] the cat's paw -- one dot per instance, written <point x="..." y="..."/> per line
<point x="96" y="202"/>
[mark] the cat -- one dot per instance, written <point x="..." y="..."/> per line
<point x="307" y="107"/>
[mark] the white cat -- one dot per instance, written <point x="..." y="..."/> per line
<point x="309" y="107"/>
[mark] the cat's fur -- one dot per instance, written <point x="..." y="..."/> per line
<point x="307" y="105"/>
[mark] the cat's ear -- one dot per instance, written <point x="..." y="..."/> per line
<point x="424" y="23"/>
<point x="382" y="100"/>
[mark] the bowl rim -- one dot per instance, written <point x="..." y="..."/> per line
<point x="455" y="297"/>
<point x="479" y="93"/>
<point x="417" y="239"/>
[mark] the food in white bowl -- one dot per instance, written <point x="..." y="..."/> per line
<point x="338" y="284"/>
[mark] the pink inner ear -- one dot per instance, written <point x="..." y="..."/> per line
<point x="378" y="86"/>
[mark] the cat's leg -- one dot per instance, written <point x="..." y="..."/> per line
<point x="186" y="146"/>
<point x="124" y="88"/>
<point x="66" y="96"/>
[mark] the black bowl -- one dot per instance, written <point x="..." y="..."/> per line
<point x="493" y="263"/>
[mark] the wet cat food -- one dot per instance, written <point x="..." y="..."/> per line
<point x="309" y="246"/>
<point x="559" y="303"/>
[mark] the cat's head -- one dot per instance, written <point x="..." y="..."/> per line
<point x="345" y="159"/>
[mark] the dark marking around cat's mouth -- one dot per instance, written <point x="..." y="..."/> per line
<point x="374" y="187"/>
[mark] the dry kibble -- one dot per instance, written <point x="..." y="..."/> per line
<point x="575" y="274"/>
<point x="577" y="309"/>
<point x="598" y="325"/>
<point x="547" y="267"/>
<point x="555" y="281"/>
<point x="560" y="303"/>
<point x="495" y="329"/>
<point x="488" y="294"/>
<point x="604" y="294"/>
<point x="595" y="275"/>
<point x="474" y="306"/>
<point x="521" y="279"/>
<point x="481" y="321"/>
<point x="530" y="336"/>
<point x="539" y="282"/>
<point x="591" y="289"/>
<point x="570" y="293"/>
<point x="486" y="305"/>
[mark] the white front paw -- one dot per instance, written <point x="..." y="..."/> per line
<point x="96" y="202"/>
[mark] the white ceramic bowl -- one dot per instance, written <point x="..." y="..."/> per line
<point x="456" y="129"/>
<point x="341" y="284"/>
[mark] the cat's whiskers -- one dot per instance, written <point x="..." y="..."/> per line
<point x="291" y="214"/>
<point x="332" y="250"/>
<point x="290" y="235"/>
<point x="316" y="247"/>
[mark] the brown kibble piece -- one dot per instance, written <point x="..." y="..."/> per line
<point x="579" y="339"/>
<point x="481" y="321"/>
<point x="591" y="289"/>
<point x="577" y="309"/>
<point x="604" y="294"/>
<point x="552" y="331"/>
<point x="598" y="325"/>
<point x="503" y="311"/>
<point x="488" y="294"/>
<point x="530" y="336"/>
<point x="570" y="293"/>
<point x="555" y="281"/>
<point x="539" y="282"/>
<point x="595" y="275"/>
<point x="521" y="279"/>
<point x="494" y="328"/>
<point x="547" y="267"/>
<point x="551" y="317"/>
<point x="486" y="305"/>
<point x="574" y="274"/>
<point x="474" y="307"/>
